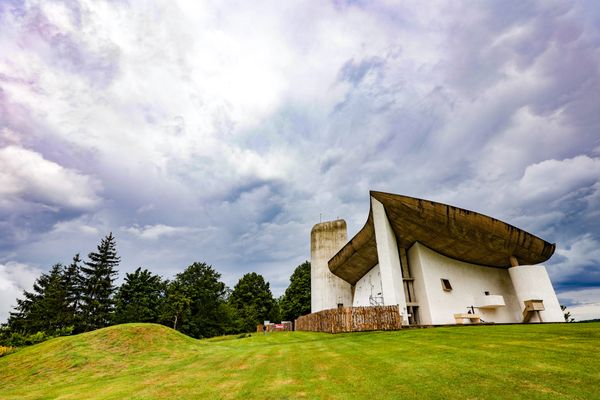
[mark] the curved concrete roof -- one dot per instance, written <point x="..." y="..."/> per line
<point x="454" y="232"/>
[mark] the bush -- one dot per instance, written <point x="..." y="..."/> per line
<point x="4" y="350"/>
<point x="16" y="339"/>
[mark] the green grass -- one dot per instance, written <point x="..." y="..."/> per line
<point x="141" y="361"/>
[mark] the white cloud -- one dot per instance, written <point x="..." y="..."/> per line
<point x="77" y="226"/>
<point x="14" y="279"/>
<point x="550" y="179"/>
<point x="9" y="137"/>
<point x="26" y="175"/>
<point x="153" y="232"/>
<point x="585" y="303"/>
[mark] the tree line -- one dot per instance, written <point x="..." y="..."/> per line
<point x="82" y="296"/>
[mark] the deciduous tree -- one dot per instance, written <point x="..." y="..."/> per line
<point x="253" y="300"/>
<point x="195" y="302"/>
<point x="296" y="299"/>
<point x="140" y="298"/>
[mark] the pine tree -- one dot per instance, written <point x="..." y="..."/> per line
<point x="27" y="317"/>
<point x="46" y="308"/>
<point x="72" y="282"/>
<point x="99" y="274"/>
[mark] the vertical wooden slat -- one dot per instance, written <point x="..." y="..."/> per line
<point x="351" y="319"/>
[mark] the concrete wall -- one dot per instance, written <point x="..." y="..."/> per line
<point x="327" y="290"/>
<point x="368" y="285"/>
<point x="531" y="282"/>
<point x="389" y="260"/>
<point x="469" y="282"/>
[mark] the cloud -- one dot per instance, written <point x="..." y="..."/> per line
<point x="153" y="232"/>
<point x="577" y="256"/>
<point x="78" y="225"/>
<point x="27" y="177"/>
<point x="14" y="279"/>
<point x="583" y="304"/>
<point x="226" y="138"/>
<point x="551" y="179"/>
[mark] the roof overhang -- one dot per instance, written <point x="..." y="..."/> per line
<point x="454" y="232"/>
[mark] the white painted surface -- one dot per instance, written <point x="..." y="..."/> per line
<point x="367" y="288"/>
<point x="490" y="301"/>
<point x="469" y="282"/>
<point x="389" y="260"/>
<point x="327" y="290"/>
<point x="531" y="282"/>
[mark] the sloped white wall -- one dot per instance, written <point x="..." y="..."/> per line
<point x="389" y="260"/>
<point x="469" y="281"/>
<point x="531" y="282"/>
<point x="368" y="285"/>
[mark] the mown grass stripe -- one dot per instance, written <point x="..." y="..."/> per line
<point x="150" y="361"/>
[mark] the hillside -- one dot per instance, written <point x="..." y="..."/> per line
<point x="152" y="361"/>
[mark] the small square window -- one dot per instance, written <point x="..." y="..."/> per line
<point x="446" y="285"/>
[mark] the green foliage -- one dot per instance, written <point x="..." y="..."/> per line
<point x="296" y="300"/>
<point x="47" y="308"/>
<point x="140" y="298"/>
<point x="72" y="282"/>
<point x="176" y="304"/>
<point x="253" y="300"/>
<point x="99" y="273"/>
<point x="17" y="339"/>
<point x="78" y="298"/>
<point x="195" y="302"/>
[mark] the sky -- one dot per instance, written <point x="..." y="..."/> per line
<point x="221" y="132"/>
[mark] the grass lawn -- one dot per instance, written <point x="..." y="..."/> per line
<point x="140" y="361"/>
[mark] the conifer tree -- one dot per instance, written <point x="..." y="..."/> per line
<point x="46" y="308"/>
<point x="98" y="276"/>
<point x="27" y="316"/>
<point x="72" y="282"/>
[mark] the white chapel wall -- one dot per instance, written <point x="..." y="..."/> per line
<point x="367" y="288"/>
<point x="532" y="282"/>
<point x="469" y="282"/>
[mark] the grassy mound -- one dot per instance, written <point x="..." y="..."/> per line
<point x="153" y="361"/>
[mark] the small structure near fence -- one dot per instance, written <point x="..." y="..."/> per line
<point x="273" y="327"/>
<point x="352" y="319"/>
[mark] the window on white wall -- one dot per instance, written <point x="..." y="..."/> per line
<point x="446" y="285"/>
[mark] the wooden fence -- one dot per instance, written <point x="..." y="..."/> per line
<point x="352" y="319"/>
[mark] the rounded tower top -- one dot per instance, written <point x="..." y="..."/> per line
<point x="329" y="226"/>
